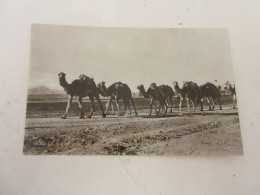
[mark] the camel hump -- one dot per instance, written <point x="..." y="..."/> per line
<point x="121" y="89"/>
<point x="120" y="84"/>
<point x="167" y="89"/>
<point x="193" y="89"/>
<point x="116" y="84"/>
<point x="211" y="89"/>
<point x="210" y="84"/>
<point x="75" y="87"/>
<point x="214" y="89"/>
<point x="190" y="84"/>
<point x="76" y="82"/>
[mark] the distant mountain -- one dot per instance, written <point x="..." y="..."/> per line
<point x="43" y="90"/>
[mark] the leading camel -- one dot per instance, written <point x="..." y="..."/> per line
<point x="115" y="92"/>
<point x="210" y="91"/>
<point x="191" y="92"/>
<point x="80" y="88"/>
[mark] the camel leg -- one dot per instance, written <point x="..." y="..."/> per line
<point x="151" y="106"/>
<point x="112" y="108"/>
<point x="80" y="107"/>
<point x="209" y="103"/>
<point x="213" y="103"/>
<point x="219" y="103"/>
<point x="181" y="99"/>
<point x="171" y="103"/>
<point x="167" y="102"/>
<point x="124" y="109"/>
<point x="193" y="105"/>
<point x="100" y="106"/>
<point x="133" y="103"/>
<point x="92" y="106"/>
<point x="108" y="104"/>
<point x="68" y="107"/>
<point x="166" y="105"/>
<point x="166" y="108"/>
<point x="129" y="107"/>
<point x="188" y="104"/>
<point x="201" y="106"/>
<point x="234" y="100"/>
<point x="155" y="108"/>
<point x="159" y="107"/>
<point x="117" y="105"/>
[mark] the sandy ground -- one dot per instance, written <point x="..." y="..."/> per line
<point x="215" y="133"/>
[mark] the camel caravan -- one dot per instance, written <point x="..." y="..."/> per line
<point x="163" y="94"/>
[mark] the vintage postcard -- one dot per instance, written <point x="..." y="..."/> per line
<point x="131" y="91"/>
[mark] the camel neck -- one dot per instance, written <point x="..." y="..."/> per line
<point x="104" y="91"/>
<point x="63" y="83"/>
<point x="144" y="92"/>
<point x="101" y="92"/>
<point x="177" y="88"/>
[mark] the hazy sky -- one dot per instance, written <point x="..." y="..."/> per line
<point x="131" y="55"/>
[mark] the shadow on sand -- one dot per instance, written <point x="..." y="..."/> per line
<point x="187" y="114"/>
<point x="217" y="113"/>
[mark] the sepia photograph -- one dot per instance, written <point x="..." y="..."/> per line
<point x="131" y="91"/>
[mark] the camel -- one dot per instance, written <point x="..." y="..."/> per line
<point x="210" y="91"/>
<point x="151" y="96"/>
<point x="103" y="91"/>
<point x="80" y="88"/>
<point x="164" y="94"/>
<point x="170" y="96"/>
<point x="161" y="93"/>
<point x="115" y="92"/>
<point x="233" y="93"/>
<point x="191" y="92"/>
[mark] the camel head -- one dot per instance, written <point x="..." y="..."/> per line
<point x="175" y="86"/>
<point x="102" y="88"/>
<point x="184" y="82"/>
<point x="140" y="87"/>
<point x="61" y="75"/>
<point x="101" y="85"/>
<point x="153" y="86"/>
<point x="175" y="83"/>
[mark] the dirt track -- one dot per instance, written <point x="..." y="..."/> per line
<point x="216" y="133"/>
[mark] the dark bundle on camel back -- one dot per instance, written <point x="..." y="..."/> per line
<point x="82" y="87"/>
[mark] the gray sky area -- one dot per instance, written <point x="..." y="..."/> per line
<point x="130" y="55"/>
